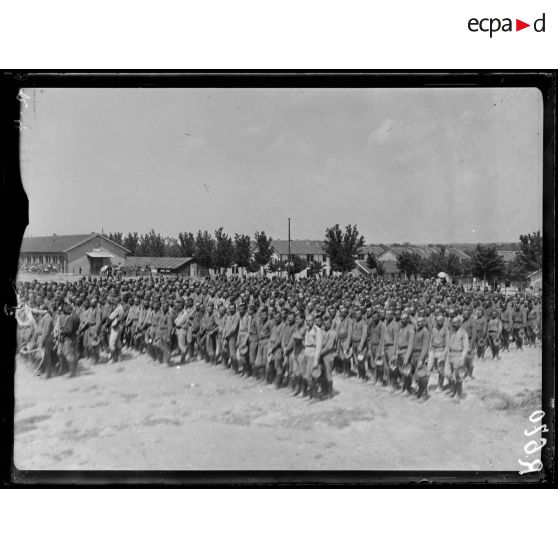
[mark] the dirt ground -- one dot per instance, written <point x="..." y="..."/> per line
<point x="139" y="415"/>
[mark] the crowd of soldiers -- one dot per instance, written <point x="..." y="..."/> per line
<point x="293" y="334"/>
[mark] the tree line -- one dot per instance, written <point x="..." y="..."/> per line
<point x="484" y="262"/>
<point x="343" y="247"/>
<point x="213" y="251"/>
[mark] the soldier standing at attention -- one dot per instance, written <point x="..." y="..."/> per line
<point x="209" y="327"/>
<point x="230" y="333"/>
<point x="242" y="339"/>
<point x="297" y="353"/>
<point x="359" y="335"/>
<point x="132" y="322"/>
<point x="148" y="321"/>
<point x="69" y="325"/>
<point x="253" y="337"/>
<point x="343" y="330"/>
<point x="506" y="315"/>
<point x="437" y="353"/>
<point x="456" y="353"/>
<point x="387" y="346"/>
<point x="374" y="335"/>
<point x="286" y="347"/>
<point x="494" y="334"/>
<point x="44" y="339"/>
<point x="421" y="345"/>
<point x="468" y="327"/>
<point x="264" y="331"/>
<point x="163" y="333"/>
<point x="519" y="323"/>
<point x="312" y="351"/>
<point x="275" y="350"/>
<point x="480" y="333"/>
<point x="532" y="320"/>
<point x="327" y="354"/>
<point x="181" y="328"/>
<point x="404" y="351"/>
<point x="116" y="323"/>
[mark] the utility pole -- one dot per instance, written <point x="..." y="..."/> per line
<point x="289" y="256"/>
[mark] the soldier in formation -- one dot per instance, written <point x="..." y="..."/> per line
<point x="294" y="335"/>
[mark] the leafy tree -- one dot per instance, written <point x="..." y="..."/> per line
<point x="187" y="242"/>
<point x="205" y="249"/>
<point x="453" y="266"/>
<point x="224" y="249"/>
<point x="151" y="244"/>
<point x="529" y="257"/>
<point x="131" y="242"/>
<point x="467" y="267"/>
<point x="343" y="247"/>
<point x="487" y="263"/>
<point x="172" y="247"/>
<point x="409" y="262"/>
<point x="441" y="260"/>
<point x="276" y="265"/>
<point x="372" y="260"/>
<point x="242" y="250"/>
<point x="264" y="250"/>
<point x="514" y="271"/>
<point x="157" y="243"/>
<point x="115" y="237"/>
<point x="381" y="270"/>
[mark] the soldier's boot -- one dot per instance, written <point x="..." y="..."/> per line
<point x="402" y="385"/>
<point x="361" y="371"/>
<point x="182" y="358"/>
<point x="313" y="392"/>
<point x="422" y="394"/>
<point x="297" y="383"/>
<point x="420" y="388"/>
<point x="270" y="374"/>
<point x="440" y="383"/>
<point x="304" y="388"/>
<point x="452" y="389"/>
<point x="329" y="393"/>
<point x="459" y="390"/>
<point x="407" y="385"/>
<point x="279" y="379"/>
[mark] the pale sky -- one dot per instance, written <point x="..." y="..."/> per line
<point x="417" y="165"/>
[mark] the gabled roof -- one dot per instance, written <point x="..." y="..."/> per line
<point x="57" y="244"/>
<point x="426" y="251"/>
<point x="54" y="243"/>
<point x="298" y="247"/>
<point x="158" y="262"/>
<point x="377" y="249"/>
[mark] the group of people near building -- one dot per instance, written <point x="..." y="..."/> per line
<point x="293" y="334"/>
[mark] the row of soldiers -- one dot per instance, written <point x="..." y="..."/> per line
<point x="396" y="333"/>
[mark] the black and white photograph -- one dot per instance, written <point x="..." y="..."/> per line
<point x="281" y="279"/>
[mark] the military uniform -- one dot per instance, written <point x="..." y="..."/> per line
<point x="457" y="348"/>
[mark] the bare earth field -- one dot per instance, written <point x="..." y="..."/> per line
<point x="138" y="415"/>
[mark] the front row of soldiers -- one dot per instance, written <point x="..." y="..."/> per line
<point x="279" y="346"/>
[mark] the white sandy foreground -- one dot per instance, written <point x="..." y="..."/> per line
<point x="136" y="414"/>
